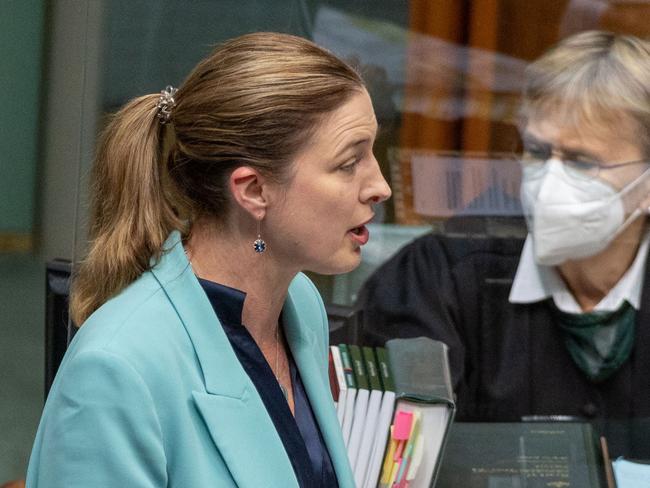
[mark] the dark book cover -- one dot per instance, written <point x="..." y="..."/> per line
<point x="522" y="455"/>
<point x="420" y="368"/>
<point x="422" y="378"/>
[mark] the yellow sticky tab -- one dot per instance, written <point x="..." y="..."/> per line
<point x="393" y="473"/>
<point x="388" y="460"/>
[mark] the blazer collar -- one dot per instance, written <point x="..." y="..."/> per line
<point x="311" y="358"/>
<point x="231" y="406"/>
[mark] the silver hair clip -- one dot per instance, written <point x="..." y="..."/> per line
<point x="166" y="103"/>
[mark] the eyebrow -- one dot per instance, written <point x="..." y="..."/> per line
<point x="351" y="145"/>
<point x="357" y="142"/>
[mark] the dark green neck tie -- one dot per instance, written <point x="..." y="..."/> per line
<point x="599" y="342"/>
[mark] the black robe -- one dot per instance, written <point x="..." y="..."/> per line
<point x="508" y="360"/>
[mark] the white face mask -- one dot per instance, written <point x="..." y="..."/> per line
<point x="570" y="217"/>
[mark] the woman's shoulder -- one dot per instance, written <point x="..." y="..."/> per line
<point x="131" y="307"/>
<point x="138" y="320"/>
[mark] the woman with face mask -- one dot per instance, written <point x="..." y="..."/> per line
<point x="558" y="324"/>
<point x="585" y="194"/>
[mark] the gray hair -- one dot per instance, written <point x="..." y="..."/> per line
<point x="592" y="77"/>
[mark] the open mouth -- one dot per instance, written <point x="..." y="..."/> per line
<point x="360" y="234"/>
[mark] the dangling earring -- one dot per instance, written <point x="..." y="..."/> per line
<point x="259" y="245"/>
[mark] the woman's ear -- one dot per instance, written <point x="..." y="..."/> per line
<point x="246" y="186"/>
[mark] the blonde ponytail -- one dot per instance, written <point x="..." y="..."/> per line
<point x="131" y="213"/>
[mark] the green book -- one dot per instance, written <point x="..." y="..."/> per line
<point x="358" y="366"/>
<point x="371" y="368"/>
<point x="385" y="375"/>
<point x="369" y="426"/>
<point x="382" y="424"/>
<point x="360" y="405"/>
<point x="523" y="455"/>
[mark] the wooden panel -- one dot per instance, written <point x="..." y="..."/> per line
<point x="627" y="17"/>
<point x="426" y="90"/>
<point x="432" y="93"/>
<point x="480" y="77"/>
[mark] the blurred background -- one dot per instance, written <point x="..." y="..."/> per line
<point x="445" y="77"/>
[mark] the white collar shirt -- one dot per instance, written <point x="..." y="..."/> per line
<point x="534" y="282"/>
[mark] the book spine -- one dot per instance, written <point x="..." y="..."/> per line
<point x="371" y="368"/>
<point x="350" y="401"/>
<point x="385" y="373"/>
<point x="360" y="375"/>
<point x="370" y="426"/>
<point x="383" y="423"/>
<point x="360" y="406"/>
<point x="420" y="368"/>
<point x="340" y="379"/>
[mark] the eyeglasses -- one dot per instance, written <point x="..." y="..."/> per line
<point x="535" y="156"/>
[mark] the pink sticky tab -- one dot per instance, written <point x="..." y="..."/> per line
<point x="402" y="429"/>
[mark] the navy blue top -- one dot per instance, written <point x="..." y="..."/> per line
<point x="300" y="435"/>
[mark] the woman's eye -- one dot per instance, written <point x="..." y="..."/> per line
<point x="351" y="165"/>
<point x="582" y="164"/>
<point x="537" y="152"/>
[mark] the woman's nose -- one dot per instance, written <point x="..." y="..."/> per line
<point x="377" y="189"/>
<point x="554" y="163"/>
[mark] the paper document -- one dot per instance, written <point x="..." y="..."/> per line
<point x="629" y="474"/>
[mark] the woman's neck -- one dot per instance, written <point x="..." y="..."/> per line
<point x="228" y="258"/>
<point x="591" y="279"/>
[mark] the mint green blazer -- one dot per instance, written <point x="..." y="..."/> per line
<point x="151" y="394"/>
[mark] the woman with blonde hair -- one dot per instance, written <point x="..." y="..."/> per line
<point x="202" y="354"/>
<point x="558" y="323"/>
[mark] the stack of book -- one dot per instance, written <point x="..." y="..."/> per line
<point x="395" y="406"/>
<point x="396" y="409"/>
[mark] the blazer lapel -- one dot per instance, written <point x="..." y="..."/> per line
<point x="230" y="406"/>
<point x="299" y="322"/>
<point x="243" y="434"/>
